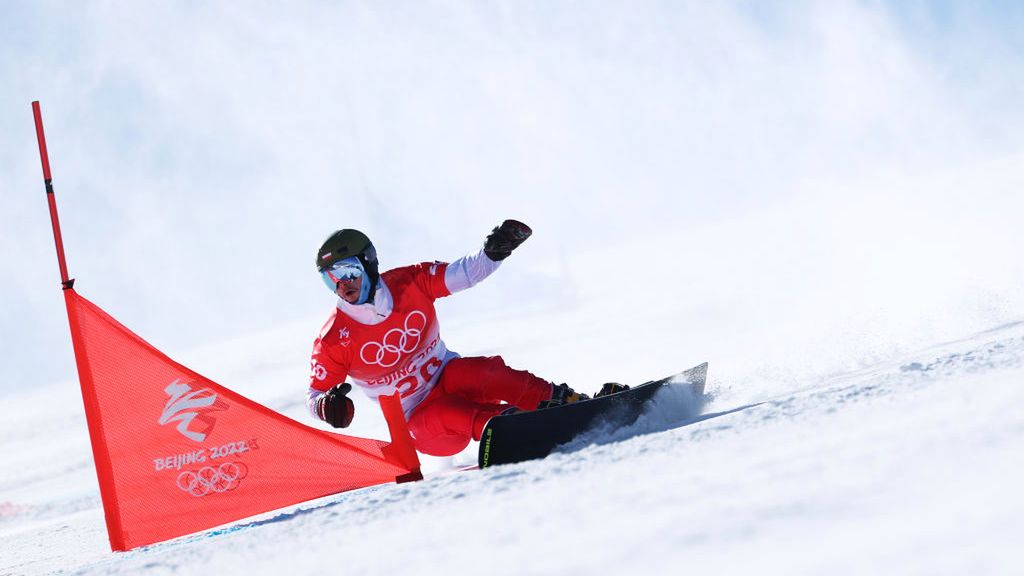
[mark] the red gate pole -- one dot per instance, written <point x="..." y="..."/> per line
<point x="100" y="452"/>
<point x="48" y="180"/>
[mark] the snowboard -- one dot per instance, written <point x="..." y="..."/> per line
<point x="532" y="435"/>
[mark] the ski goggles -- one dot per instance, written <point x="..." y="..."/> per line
<point x="348" y="269"/>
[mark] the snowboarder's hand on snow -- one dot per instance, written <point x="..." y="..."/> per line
<point x="335" y="408"/>
<point x="505" y="238"/>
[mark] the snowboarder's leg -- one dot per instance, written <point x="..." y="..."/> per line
<point x="489" y="380"/>
<point x="443" y="424"/>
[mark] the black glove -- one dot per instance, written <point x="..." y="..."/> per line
<point x="505" y="238"/>
<point x="335" y="408"/>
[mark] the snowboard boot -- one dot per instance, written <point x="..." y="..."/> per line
<point x="611" y="388"/>
<point x="562" y="394"/>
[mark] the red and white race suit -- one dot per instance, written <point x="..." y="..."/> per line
<point x="394" y="344"/>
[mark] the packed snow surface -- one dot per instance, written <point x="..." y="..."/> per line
<point x="912" y="466"/>
<point x="810" y="196"/>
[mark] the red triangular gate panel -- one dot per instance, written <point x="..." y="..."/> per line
<point x="177" y="453"/>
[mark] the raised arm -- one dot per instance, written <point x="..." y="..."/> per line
<point x="469" y="270"/>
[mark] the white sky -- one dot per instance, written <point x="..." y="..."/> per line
<point x="794" y="175"/>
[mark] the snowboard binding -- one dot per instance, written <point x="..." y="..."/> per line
<point x="610" y="388"/>
<point x="562" y="394"/>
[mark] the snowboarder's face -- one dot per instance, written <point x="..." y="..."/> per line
<point x="345" y="278"/>
<point x="349" y="289"/>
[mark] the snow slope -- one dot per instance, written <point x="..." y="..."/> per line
<point x="807" y="195"/>
<point x="910" y="466"/>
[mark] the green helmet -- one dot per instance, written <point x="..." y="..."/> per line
<point x="346" y="243"/>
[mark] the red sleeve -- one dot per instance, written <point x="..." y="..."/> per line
<point x="429" y="277"/>
<point x="329" y="363"/>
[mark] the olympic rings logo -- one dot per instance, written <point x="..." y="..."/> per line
<point x="210" y="479"/>
<point x="397" y="341"/>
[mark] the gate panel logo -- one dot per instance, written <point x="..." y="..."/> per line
<point x="211" y="479"/>
<point x="186" y="406"/>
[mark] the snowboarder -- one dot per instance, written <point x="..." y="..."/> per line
<point x="384" y="334"/>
